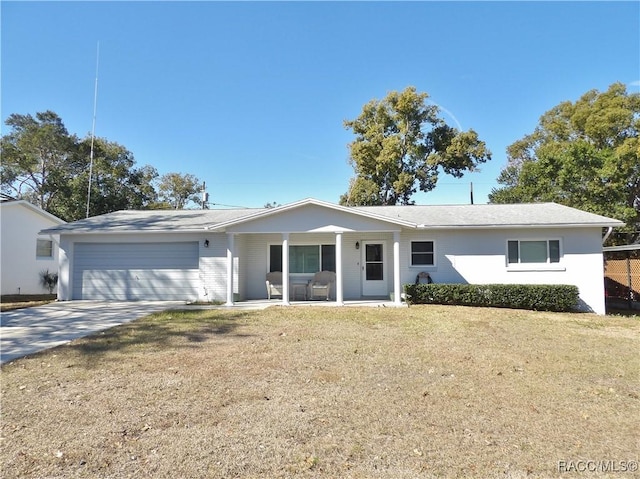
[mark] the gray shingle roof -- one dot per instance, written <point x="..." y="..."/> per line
<point x="493" y="215"/>
<point x="430" y="216"/>
<point x="152" y="221"/>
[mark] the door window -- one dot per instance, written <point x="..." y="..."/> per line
<point x="373" y="262"/>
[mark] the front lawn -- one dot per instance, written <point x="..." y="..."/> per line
<point x="9" y="302"/>
<point x="420" y="392"/>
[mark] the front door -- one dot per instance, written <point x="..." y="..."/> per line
<point x="374" y="274"/>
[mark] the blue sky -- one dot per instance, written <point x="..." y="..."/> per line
<point x="251" y="96"/>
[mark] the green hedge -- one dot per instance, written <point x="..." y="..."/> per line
<point x="539" y="297"/>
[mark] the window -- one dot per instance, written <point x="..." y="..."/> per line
<point x="44" y="249"/>
<point x="422" y="253"/>
<point x="275" y="258"/>
<point x="374" y="261"/>
<point x="328" y="256"/>
<point x="304" y="258"/>
<point x="537" y="251"/>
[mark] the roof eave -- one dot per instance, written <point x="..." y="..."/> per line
<point x="54" y="231"/>
<point x="628" y="247"/>
<point x="309" y="201"/>
<point x="526" y="226"/>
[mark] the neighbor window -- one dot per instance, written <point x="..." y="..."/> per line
<point x="44" y="248"/>
<point x="535" y="251"/>
<point x="422" y="253"/>
<point x="304" y="258"/>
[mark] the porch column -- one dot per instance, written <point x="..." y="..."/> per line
<point x="397" y="287"/>
<point x="285" y="268"/>
<point x="230" y="253"/>
<point x="65" y="270"/>
<point x="339" y="284"/>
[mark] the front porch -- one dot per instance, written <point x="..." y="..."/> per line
<point x="366" y="268"/>
<point x="362" y="249"/>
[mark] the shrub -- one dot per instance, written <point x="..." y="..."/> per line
<point x="48" y="280"/>
<point x="538" y="297"/>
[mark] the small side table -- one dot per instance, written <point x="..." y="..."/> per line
<point x="299" y="289"/>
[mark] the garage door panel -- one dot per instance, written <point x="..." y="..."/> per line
<point x="140" y="271"/>
<point x="138" y="284"/>
<point x="137" y="255"/>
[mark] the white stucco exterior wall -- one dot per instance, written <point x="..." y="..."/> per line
<point x="19" y="227"/>
<point x="213" y="268"/>
<point x="480" y="257"/>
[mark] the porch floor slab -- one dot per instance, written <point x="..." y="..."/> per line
<point x="258" y="304"/>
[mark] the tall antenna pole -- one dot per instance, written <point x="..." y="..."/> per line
<point x="93" y="128"/>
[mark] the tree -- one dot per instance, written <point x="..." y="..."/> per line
<point x="117" y="184"/>
<point x="178" y="189"/>
<point x="584" y="154"/>
<point x="37" y="158"/>
<point x="44" y="164"/>
<point x="401" y="146"/>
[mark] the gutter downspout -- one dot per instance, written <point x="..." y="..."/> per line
<point x="607" y="234"/>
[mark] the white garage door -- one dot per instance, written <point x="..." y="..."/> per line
<point x="136" y="271"/>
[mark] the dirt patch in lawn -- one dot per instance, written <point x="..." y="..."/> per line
<point x="423" y="392"/>
<point x="9" y="302"/>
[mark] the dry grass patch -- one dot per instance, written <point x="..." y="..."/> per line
<point x="428" y="391"/>
<point x="9" y="302"/>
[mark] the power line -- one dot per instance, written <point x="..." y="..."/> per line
<point x="230" y="206"/>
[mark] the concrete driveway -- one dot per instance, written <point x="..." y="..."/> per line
<point x="29" y="330"/>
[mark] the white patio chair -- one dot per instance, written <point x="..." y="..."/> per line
<point x="274" y="283"/>
<point x="321" y="283"/>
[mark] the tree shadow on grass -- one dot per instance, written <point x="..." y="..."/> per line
<point x="173" y="329"/>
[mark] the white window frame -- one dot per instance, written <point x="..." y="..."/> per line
<point x="40" y="241"/>
<point x="539" y="266"/>
<point x="317" y="249"/>
<point x="422" y="266"/>
<point x="318" y="245"/>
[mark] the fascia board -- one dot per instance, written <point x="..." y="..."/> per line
<point x="58" y="231"/>
<point x="629" y="247"/>
<point x="523" y="226"/>
<point x="310" y="201"/>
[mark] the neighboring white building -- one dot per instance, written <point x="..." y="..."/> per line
<point x="23" y="253"/>
<point x="225" y="254"/>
